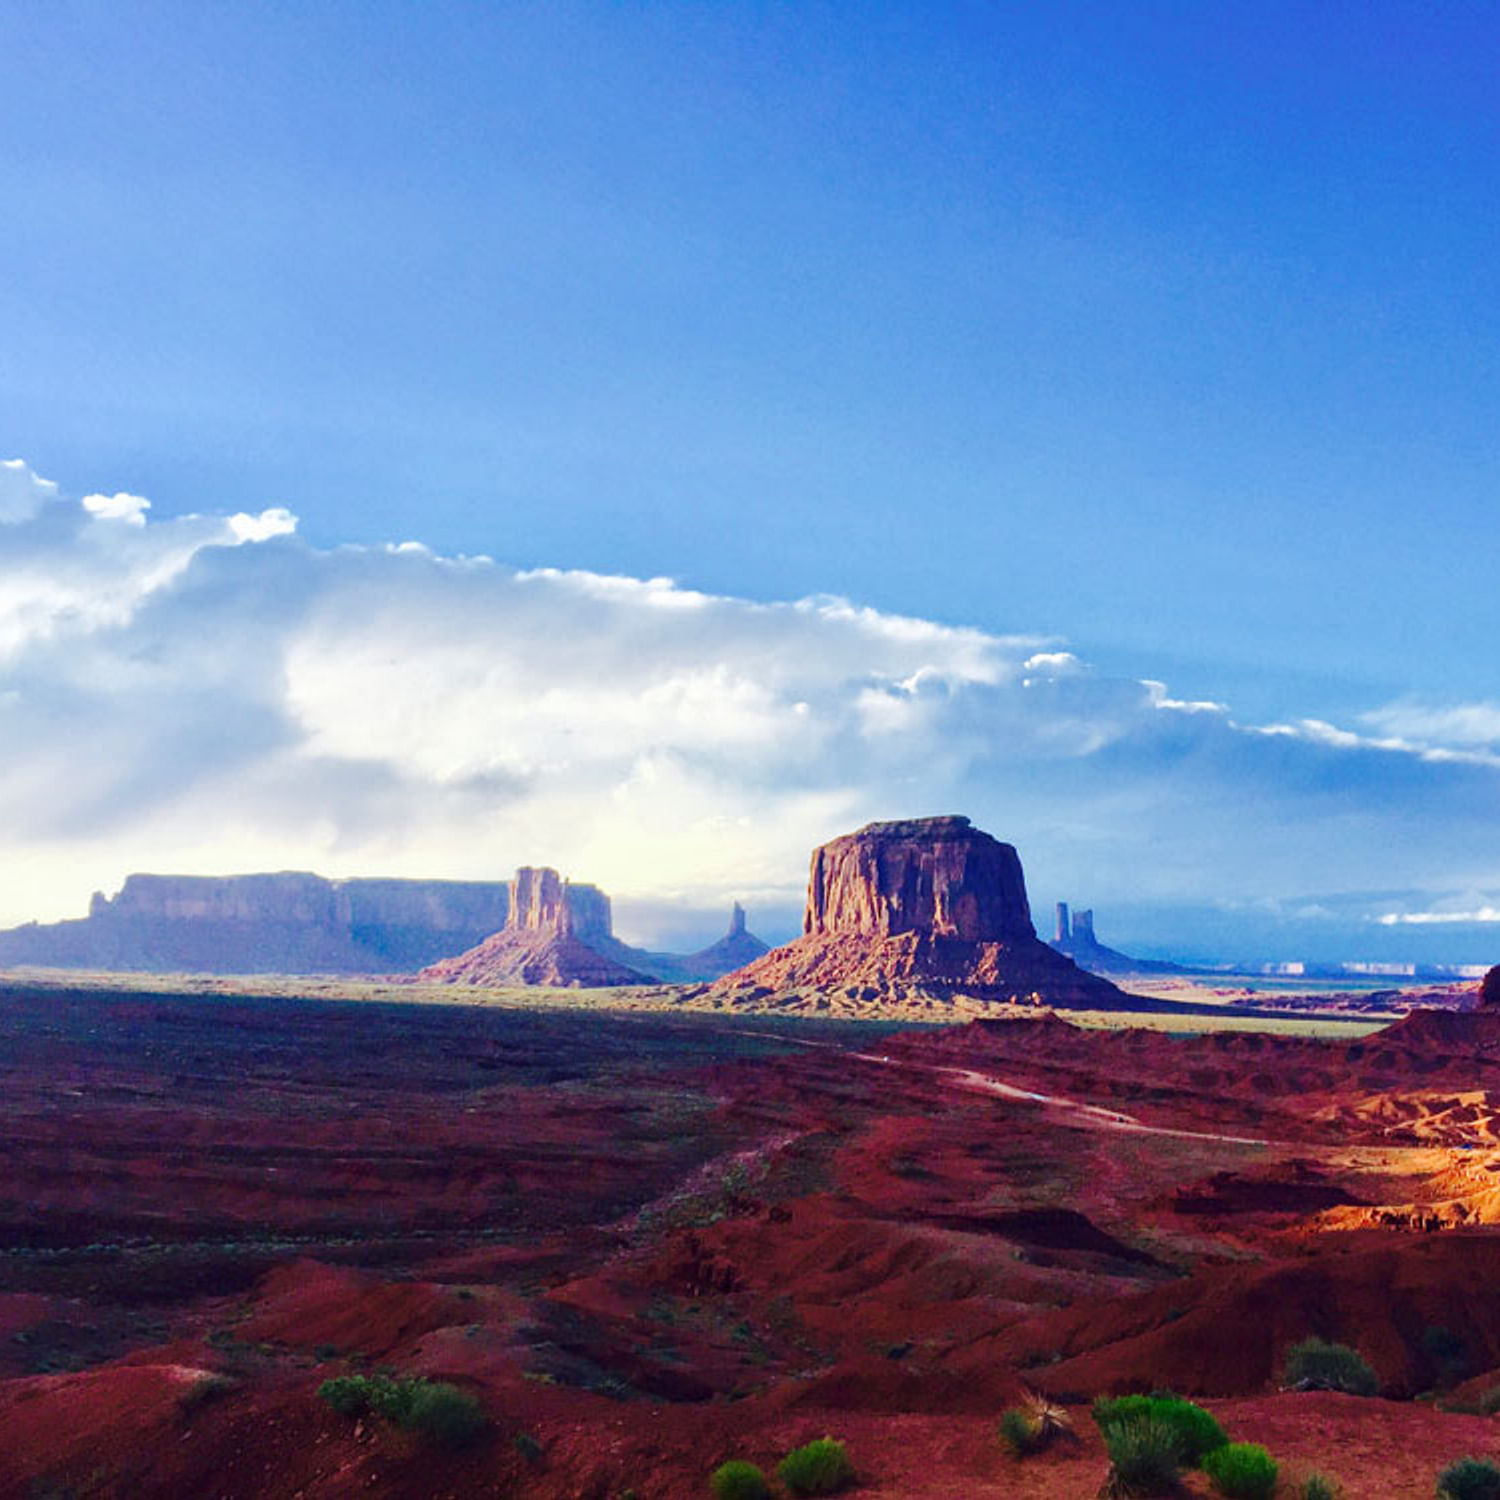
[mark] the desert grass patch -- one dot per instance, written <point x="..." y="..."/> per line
<point x="1197" y="1431"/>
<point x="739" y="1480"/>
<point x="1242" y="1471"/>
<point x="433" y="1408"/>
<point x="821" y="1467"/>
<point x="1145" y="1458"/>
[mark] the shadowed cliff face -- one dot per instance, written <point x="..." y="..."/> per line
<point x="938" y="876"/>
<point x="1489" y="989"/>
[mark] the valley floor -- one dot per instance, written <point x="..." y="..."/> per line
<point x="648" y="1241"/>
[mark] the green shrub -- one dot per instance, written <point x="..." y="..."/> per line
<point x="1145" y="1455"/>
<point x="1489" y="1402"/>
<point x="1314" y="1365"/>
<point x="1469" y="1479"/>
<point x="433" y="1408"/>
<point x="348" y="1395"/>
<point x="443" y="1413"/>
<point x="1019" y="1431"/>
<point x="1243" y="1471"/>
<point x="1318" y="1487"/>
<point x="817" y="1468"/>
<point x="738" y="1480"/>
<point x="1197" y="1430"/>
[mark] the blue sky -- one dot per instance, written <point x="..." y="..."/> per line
<point x="1163" y="336"/>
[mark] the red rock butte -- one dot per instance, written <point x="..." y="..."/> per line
<point x="547" y="939"/>
<point x="930" y="905"/>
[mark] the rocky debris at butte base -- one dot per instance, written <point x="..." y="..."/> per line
<point x="929" y="906"/>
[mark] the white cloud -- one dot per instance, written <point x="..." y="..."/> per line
<point x="118" y="507"/>
<point x="22" y="493"/>
<point x="1438" y="918"/>
<point x="1455" y="724"/>
<point x="209" y="693"/>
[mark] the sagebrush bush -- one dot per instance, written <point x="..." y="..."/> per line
<point x="817" y="1468"/>
<point x="1243" y="1471"/>
<point x="1198" y="1432"/>
<point x="1316" y="1365"/>
<point x="1469" y="1479"/>
<point x="738" y="1480"/>
<point x="437" y="1410"/>
<point x="1318" y="1487"/>
<point x="443" y="1413"/>
<point x="1145" y="1455"/>
<point x="348" y="1395"/>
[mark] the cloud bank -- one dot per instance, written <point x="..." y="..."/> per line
<point x="209" y="693"/>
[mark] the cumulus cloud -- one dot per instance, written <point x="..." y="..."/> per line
<point x="210" y="693"/>
<point x="22" y="493"/>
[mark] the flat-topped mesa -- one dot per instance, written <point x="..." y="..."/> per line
<point x="940" y="877"/>
<point x="917" y="910"/>
<point x="542" y="901"/>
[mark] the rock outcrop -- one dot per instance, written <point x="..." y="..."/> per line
<point x="549" y="938"/>
<point x="1489" y="989"/>
<point x="929" y="906"/>
<point x="1075" y="937"/>
<point x="936" y="876"/>
<point x="738" y="947"/>
<point x="287" y="923"/>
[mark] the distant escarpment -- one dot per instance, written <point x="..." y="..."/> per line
<point x="288" y="923"/>
<point x="930" y="906"/>
<point x="560" y="932"/>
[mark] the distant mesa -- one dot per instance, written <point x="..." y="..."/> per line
<point x="925" y="906"/>
<point x="562" y="933"/>
<point x="285" y="923"/>
<point x="1074" y="935"/>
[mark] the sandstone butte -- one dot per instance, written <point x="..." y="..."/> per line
<point x="928" y="906"/>
<point x="549" y="935"/>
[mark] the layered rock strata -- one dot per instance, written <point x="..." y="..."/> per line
<point x="928" y="906"/>
<point x="548" y="939"/>
<point x="286" y="923"/>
